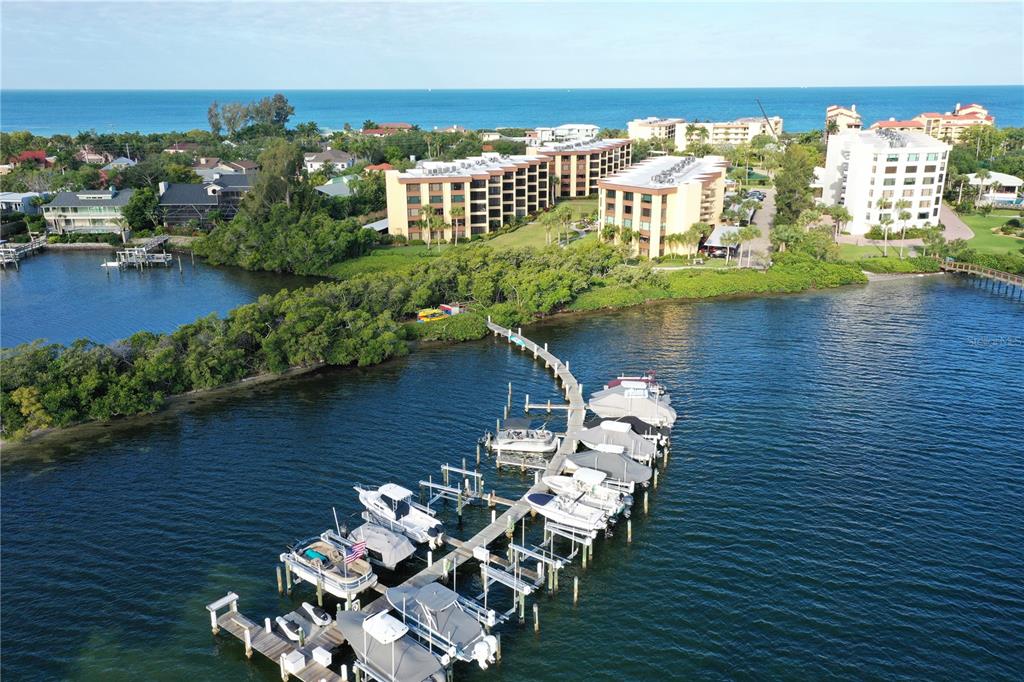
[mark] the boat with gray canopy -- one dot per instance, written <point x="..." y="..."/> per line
<point x="443" y="619"/>
<point x="619" y="468"/>
<point x="385" y="649"/>
<point x="619" y="434"/>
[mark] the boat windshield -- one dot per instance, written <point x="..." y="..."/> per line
<point x="401" y="507"/>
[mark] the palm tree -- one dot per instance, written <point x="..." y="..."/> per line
<point x="565" y="219"/>
<point x="883" y="204"/>
<point x="427" y="222"/>
<point x="831" y="128"/>
<point x="608" y="232"/>
<point x="693" y="235"/>
<point x="458" y="220"/>
<point x="749" y="234"/>
<point x="981" y="176"/>
<point x="730" y="239"/>
<point x="841" y="216"/>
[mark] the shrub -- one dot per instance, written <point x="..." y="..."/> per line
<point x="464" y="327"/>
<point x="887" y="265"/>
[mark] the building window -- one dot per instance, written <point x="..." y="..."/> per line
<point x="412" y="200"/>
<point x="926" y="192"/>
<point x="458" y="198"/>
<point x="932" y="157"/>
<point x="437" y="199"/>
<point x="892" y="157"/>
<point x="435" y="187"/>
<point x="646" y="198"/>
<point x="927" y="203"/>
<point x="889" y="182"/>
<point x="628" y="222"/>
<point x="645" y="225"/>
<point x="610" y="193"/>
<point x="645" y="212"/>
<point x="911" y="169"/>
<point x="923" y="215"/>
<point x="456" y="185"/>
<point x="912" y="157"/>
<point x="889" y="170"/>
<point x="627" y="209"/>
<point x="908" y="192"/>
<point x="928" y="180"/>
<point x="909" y="181"/>
<point x="929" y="169"/>
<point x="608" y="220"/>
<point x="628" y="196"/>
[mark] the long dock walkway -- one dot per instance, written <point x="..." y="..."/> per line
<point x="1000" y="282"/>
<point x="515" y="513"/>
<point x="11" y="253"/>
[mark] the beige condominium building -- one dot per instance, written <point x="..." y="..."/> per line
<point x="740" y="131"/>
<point x="948" y="127"/>
<point x="474" y="195"/>
<point x="664" y="196"/>
<point x="577" y="166"/>
<point x="653" y="128"/>
<point x="845" y="118"/>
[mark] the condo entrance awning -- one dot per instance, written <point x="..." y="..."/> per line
<point x="716" y="236"/>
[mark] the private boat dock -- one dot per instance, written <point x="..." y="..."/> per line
<point x="145" y="254"/>
<point x="11" y="254"/>
<point x="997" y="281"/>
<point x="309" y="658"/>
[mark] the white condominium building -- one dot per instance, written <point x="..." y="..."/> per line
<point x="653" y="128"/>
<point x="871" y="172"/>
<point x="740" y="131"/>
<point x="663" y="196"/>
<point x="567" y="132"/>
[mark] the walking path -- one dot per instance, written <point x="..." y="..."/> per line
<point x="955" y="228"/>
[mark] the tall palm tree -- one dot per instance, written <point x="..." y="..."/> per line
<point x="458" y="220"/>
<point x="982" y="175"/>
<point x="427" y="222"/>
<point x="747" y="235"/>
<point x="693" y="235"/>
<point x="883" y="204"/>
<point x="831" y="128"/>
<point x="904" y="215"/>
<point x="841" y="216"/>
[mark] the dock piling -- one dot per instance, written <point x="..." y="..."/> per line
<point x="645" y="502"/>
<point x="320" y="591"/>
<point x="288" y="578"/>
<point x="344" y="672"/>
<point x="266" y="625"/>
<point x="629" y="530"/>
<point x="536" y="617"/>
<point x="280" y="586"/>
<point x="655" y="477"/>
<point x="575" y="590"/>
<point x="248" y="643"/>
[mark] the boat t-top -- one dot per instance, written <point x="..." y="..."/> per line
<point x="319" y="562"/>
<point x="649" y="378"/>
<point x="392" y="506"/>
<point x="587" y="487"/>
<point x="383" y="645"/>
<point x="620" y="434"/>
<point x="442" y="618"/>
<point x="620" y="470"/>
<point x="517" y="435"/>
<point x="567" y="511"/>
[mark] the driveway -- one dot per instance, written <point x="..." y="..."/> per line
<point x="955" y="228"/>
<point x="760" y="248"/>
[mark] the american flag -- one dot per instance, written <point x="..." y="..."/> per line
<point x="356" y="551"/>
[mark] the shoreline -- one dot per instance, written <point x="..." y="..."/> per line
<point x="178" y="403"/>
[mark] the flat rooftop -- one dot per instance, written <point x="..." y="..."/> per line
<point x="461" y="168"/>
<point x="581" y="147"/>
<point x="655" y="121"/>
<point x="886" y="138"/>
<point x="662" y="172"/>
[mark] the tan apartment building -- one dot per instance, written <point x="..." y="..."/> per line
<point x="845" y="118"/>
<point x="577" y="166"/>
<point x="653" y="128"/>
<point x="664" y="196"/>
<point x="740" y="131"/>
<point x="487" y="190"/>
<point x="950" y="126"/>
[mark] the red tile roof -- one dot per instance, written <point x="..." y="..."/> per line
<point x="380" y="167"/>
<point x="402" y="126"/>
<point x="380" y="131"/>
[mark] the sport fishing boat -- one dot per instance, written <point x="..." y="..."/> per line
<point x="442" y="618"/>
<point x="568" y="512"/>
<point x="392" y="506"/>
<point x="587" y="487"/>
<point x="320" y="562"/>
<point x="517" y="435"/>
<point x="383" y="645"/>
<point x="633" y="399"/>
<point x="384" y="548"/>
<point x="620" y="470"/>
<point x="619" y="434"/>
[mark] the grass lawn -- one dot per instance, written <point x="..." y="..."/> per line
<point x="532" y="234"/>
<point x="382" y="259"/>
<point x="854" y="252"/>
<point x="986" y="242"/>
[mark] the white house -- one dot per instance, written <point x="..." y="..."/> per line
<point x="20" y="202"/>
<point x="1001" y="187"/>
<point x="871" y="171"/>
<point x="567" y="132"/>
<point x="316" y="161"/>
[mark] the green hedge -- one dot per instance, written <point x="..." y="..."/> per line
<point x="886" y="265"/>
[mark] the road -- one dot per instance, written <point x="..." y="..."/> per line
<point x="760" y="248"/>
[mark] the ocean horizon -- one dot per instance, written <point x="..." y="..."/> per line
<point x="49" y="112"/>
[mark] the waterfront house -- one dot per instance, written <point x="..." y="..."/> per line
<point x="185" y="203"/>
<point x="948" y="127"/>
<point x="871" y="172"/>
<point x="904" y="126"/>
<point x="119" y="163"/>
<point x="567" y="132"/>
<point x="208" y="167"/>
<point x="575" y="167"/>
<point x="340" y="160"/>
<point x="664" y="196"/>
<point x="91" y="211"/>
<point x="20" y="202"/>
<point x="474" y="196"/>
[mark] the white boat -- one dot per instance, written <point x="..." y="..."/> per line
<point x="517" y="436"/>
<point x="110" y="264"/>
<point x="319" y="562"/>
<point x="392" y="506"/>
<point x="383" y="547"/>
<point x="442" y="618"/>
<point x="619" y="434"/>
<point x="633" y="399"/>
<point x="587" y="487"/>
<point x="649" y="378"/>
<point x="382" y="644"/>
<point x="659" y="435"/>
<point x="567" y="512"/>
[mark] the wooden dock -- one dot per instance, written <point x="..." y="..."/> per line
<point x="11" y="254"/>
<point x="995" y="280"/>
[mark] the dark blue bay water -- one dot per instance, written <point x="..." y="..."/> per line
<point x="46" y="112"/>
<point x="63" y="296"/>
<point x="844" y="499"/>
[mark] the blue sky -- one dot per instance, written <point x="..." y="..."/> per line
<point x="294" y="45"/>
